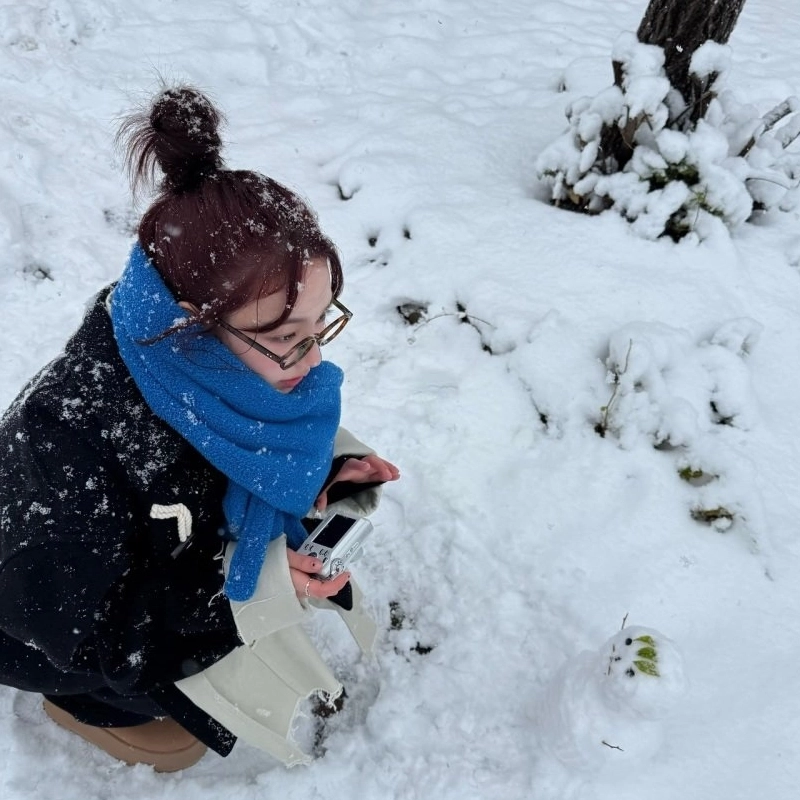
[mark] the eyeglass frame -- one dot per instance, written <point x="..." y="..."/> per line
<point x="303" y="345"/>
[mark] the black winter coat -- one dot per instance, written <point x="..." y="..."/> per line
<point x="94" y="592"/>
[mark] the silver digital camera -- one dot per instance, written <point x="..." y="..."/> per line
<point x="336" y="541"/>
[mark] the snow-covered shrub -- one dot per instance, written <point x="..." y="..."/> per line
<point x="679" y="176"/>
<point x="670" y="390"/>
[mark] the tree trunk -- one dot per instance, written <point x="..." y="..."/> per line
<point x="679" y="27"/>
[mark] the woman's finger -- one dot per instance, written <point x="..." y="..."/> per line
<point x="384" y="469"/>
<point x="330" y="587"/>
<point x="306" y="585"/>
<point x="303" y="563"/>
<point x="354" y="470"/>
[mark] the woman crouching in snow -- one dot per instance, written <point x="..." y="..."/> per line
<point x="154" y="476"/>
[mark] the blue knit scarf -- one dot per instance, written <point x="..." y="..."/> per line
<point x="275" y="448"/>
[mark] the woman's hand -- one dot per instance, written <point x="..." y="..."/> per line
<point x="302" y="570"/>
<point x="369" y="469"/>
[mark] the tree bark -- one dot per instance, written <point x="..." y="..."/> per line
<point x="680" y="27"/>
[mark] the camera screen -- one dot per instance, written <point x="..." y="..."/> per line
<point x="334" y="531"/>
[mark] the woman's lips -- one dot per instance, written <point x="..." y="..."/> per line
<point x="291" y="383"/>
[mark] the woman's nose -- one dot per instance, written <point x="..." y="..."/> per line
<point x="314" y="356"/>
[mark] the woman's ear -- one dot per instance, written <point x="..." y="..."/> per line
<point x="194" y="311"/>
<point x="190" y="307"/>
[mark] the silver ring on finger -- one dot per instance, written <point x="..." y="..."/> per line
<point x="308" y="583"/>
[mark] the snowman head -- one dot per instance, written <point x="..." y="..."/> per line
<point x="640" y="672"/>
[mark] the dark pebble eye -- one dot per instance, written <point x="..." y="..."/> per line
<point x="629" y="641"/>
<point x="630" y="672"/>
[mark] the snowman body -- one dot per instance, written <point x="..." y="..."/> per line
<point x="606" y="708"/>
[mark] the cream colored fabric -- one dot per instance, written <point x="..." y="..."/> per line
<point x="361" y="625"/>
<point x="346" y="444"/>
<point x="274" y="604"/>
<point x="255" y="691"/>
<point x="252" y="701"/>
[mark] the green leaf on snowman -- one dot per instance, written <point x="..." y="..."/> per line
<point x="648" y="652"/>
<point x="646" y="639"/>
<point x="647" y="667"/>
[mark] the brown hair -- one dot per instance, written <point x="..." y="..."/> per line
<point x="219" y="238"/>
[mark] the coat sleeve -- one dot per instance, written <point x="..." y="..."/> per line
<point x="346" y="444"/>
<point x="78" y="579"/>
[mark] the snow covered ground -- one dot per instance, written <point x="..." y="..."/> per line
<point x="518" y="540"/>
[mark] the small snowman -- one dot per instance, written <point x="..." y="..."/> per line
<point x="605" y="708"/>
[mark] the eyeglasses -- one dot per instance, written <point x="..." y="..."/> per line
<point x="300" y="350"/>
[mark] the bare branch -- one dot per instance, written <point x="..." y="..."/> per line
<point x="770" y="120"/>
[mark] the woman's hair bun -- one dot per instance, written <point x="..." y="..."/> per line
<point x="178" y="134"/>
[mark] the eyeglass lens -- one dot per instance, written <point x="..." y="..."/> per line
<point x="299" y="351"/>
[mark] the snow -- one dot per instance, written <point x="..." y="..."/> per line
<point x="518" y="539"/>
<point x="709" y="58"/>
